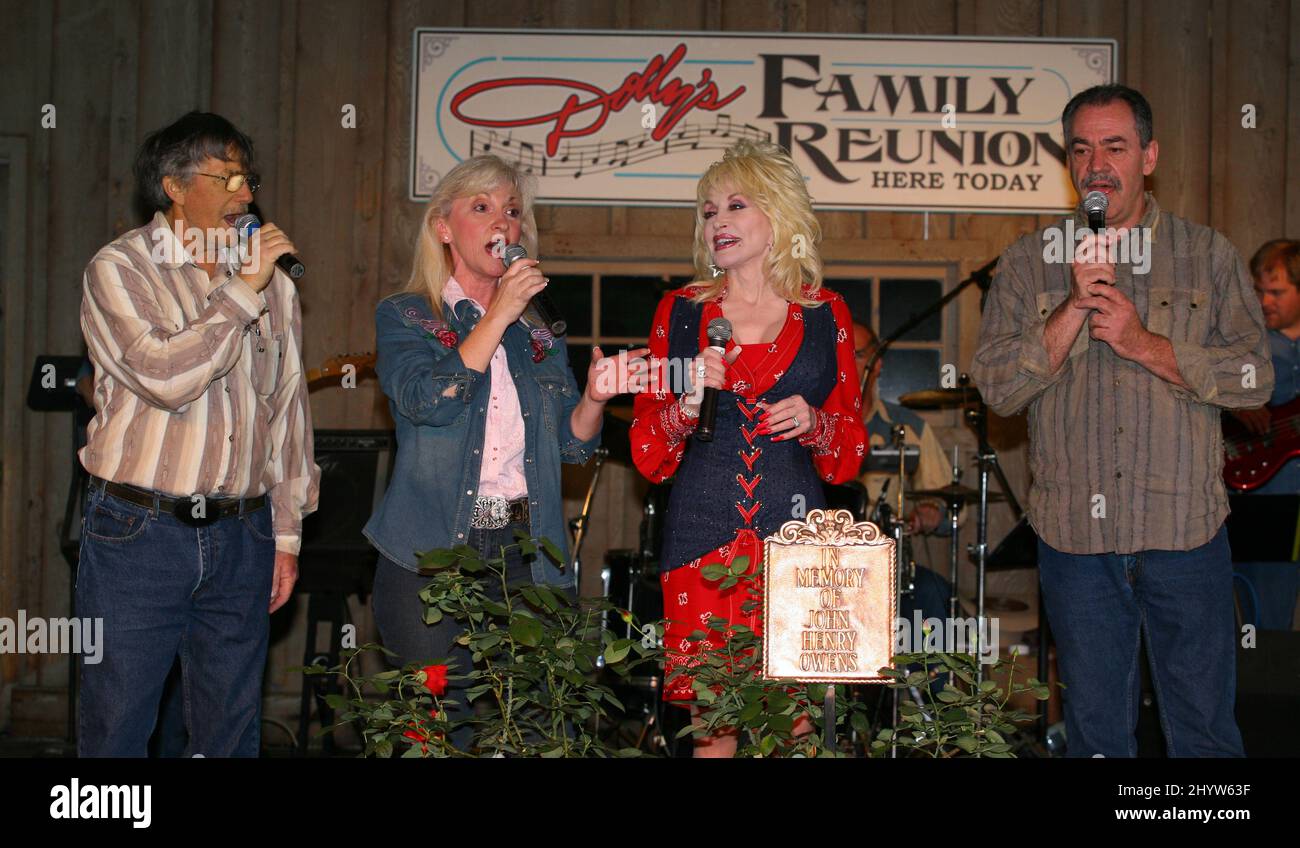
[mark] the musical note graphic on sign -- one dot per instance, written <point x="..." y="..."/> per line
<point x="577" y="160"/>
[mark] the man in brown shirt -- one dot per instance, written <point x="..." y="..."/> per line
<point x="200" y="451"/>
<point x="1124" y="350"/>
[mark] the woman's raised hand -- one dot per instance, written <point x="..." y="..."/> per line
<point x="619" y="374"/>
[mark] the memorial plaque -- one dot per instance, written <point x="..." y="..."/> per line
<point x="828" y="600"/>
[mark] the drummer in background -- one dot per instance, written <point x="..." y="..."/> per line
<point x="933" y="471"/>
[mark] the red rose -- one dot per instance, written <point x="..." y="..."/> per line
<point x="438" y="715"/>
<point x="435" y="679"/>
<point x="447" y="337"/>
<point x="539" y="352"/>
<point x="418" y="735"/>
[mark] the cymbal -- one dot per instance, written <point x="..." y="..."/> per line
<point x="940" y="398"/>
<point x="955" y="492"/>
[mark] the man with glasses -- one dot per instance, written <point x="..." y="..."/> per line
<point x="200" y="452"/>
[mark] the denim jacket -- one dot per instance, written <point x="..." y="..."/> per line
<point x="440" y="438"/>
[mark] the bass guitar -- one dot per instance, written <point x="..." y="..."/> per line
<point x="1251" y="460"/>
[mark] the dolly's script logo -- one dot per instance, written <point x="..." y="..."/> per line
<point x="651" y="84"/>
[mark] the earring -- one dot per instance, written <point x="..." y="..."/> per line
<point x="715" y="270"/>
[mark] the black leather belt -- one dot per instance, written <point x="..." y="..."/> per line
<point x="191" y="511"/>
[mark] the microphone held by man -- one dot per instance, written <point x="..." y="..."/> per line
<point x="1095" y="204"/>
<point x="276" y="245"/>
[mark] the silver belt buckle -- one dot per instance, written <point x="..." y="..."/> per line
<point x="491" y="512"/>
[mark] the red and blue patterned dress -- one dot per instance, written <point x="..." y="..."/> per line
<point x="762" y="476"/>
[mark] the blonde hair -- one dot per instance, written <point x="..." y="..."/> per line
<point x="479" y="174"/>
<point x="766" y="174"/>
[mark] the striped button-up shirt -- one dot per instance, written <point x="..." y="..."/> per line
<point x="1123" y="461"/>
<point x="199" y="386"/>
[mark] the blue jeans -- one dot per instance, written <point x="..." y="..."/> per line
<point x="164" y="589"/>
<point x="1101" y="606"/>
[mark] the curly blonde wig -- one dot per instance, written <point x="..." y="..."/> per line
<point x="766" y="174"/>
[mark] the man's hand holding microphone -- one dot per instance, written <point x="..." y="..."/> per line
<point x="267" y="246"/>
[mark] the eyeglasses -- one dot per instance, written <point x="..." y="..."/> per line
<point x="235" y="182"/>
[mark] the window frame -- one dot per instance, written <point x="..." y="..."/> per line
<point x="875" y="272"/>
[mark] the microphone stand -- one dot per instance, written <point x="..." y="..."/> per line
<point x="579" y="524"/>
<point x="982" y="277"/>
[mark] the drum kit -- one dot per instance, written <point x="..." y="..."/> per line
<point x="955" y="496"/>
<point x="965" y="396"/>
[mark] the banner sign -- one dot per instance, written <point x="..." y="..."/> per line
<point x="874" y="122"/>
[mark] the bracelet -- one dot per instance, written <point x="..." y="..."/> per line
<point x="676" y="424"/>
<point x="821" y="435"/>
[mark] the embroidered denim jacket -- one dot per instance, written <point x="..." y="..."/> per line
<point x="440" y="437"/>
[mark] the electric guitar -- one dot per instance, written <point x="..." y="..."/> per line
<point x="1250" y="461"/>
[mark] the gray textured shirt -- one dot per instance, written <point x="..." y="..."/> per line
<point x="1123" y="461"/>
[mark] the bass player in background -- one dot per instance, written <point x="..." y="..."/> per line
<point x="1275" y="268"/>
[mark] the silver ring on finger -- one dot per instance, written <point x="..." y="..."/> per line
<point x="795" y="420"/>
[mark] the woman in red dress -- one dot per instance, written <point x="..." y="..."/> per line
<point x="789" y="408"/>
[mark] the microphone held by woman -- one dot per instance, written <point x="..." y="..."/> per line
<point x="542" y="303"/>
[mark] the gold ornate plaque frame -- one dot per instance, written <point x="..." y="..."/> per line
<point x="829" y="600"/>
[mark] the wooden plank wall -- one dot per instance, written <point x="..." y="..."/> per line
<point x="285" y="70"/>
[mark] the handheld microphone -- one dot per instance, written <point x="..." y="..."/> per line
<point x="1095" y="204"/>
<point x="542" y="304"/>
<point x="288" y="263"/>
<point x="719" y="333"/>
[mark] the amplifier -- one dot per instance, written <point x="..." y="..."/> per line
<point x="355" y="468"/>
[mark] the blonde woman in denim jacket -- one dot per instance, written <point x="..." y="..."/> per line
<point x="485" y="404"/>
